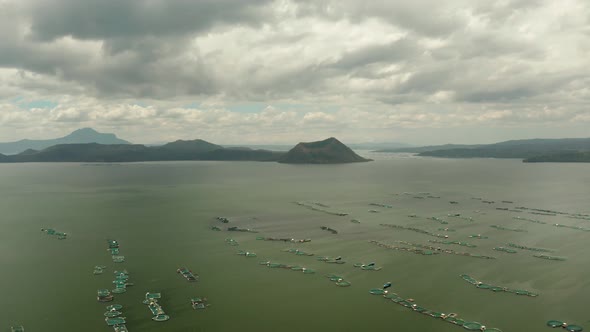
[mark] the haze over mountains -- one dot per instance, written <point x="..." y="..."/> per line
<point x="84" y="135"/>
<point x="328" y="151"/>
<point x="178" y="150"/>
<point x="88" y="145"/>
<point x="531" y="150"/>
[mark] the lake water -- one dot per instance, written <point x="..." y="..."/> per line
<point x="162" y="213"/>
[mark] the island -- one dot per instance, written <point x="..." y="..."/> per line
<point x="328" y="151"/>
<point x="566" y="157"/>
<point x="530" y="150"/>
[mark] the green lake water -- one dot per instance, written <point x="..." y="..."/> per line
<point x="161" y="214"/>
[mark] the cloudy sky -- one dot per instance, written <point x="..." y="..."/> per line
<point x="258" y="71"/>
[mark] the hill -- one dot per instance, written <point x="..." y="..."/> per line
<point x="566" y="157"/>
<point x="428" y="148"/>
<point x="84" y="135"/>
<point x="515" y="149"/>
<point x="179" y="150"/>
<point x="328" y="151"/>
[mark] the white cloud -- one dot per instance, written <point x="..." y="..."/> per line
<point x="343" y="67"/>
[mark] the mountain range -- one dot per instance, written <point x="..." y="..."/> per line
<point x="84" y="135"/>
<point x="328" y="151"/>
<point x="530" y="150"/>
<point x="88" y="145"/>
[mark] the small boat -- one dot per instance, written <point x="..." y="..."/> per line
<point x="104" y="295"/>
<point x="17" y="328"/>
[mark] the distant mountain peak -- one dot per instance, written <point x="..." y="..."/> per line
<point x="79" y="136"/>
<point x="87" y="130"/>
<point x="179" y="143"/>
<point x="88" y="133"/>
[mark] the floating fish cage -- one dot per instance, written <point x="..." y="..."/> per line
<point x="112" y="313"/>
<point x="494" y="288"/>
<point x="478" y="236"/>
<point x="566" y="326"/>
<point x="303" y="253"/>
<point x="338" y="280"/>
<point x="449" y="318"/>
<point x="199" y="303"/>
<point x="114" y="320"/>
<point x="118" y="259"/>
<point x="528" y="248"/>
<point x="104" y="295"/>
<point x="551" y="258"/>
<point x="463" y="244"/>
<point x="377" y="291"/>
<point x="120" y="328"/>
<point x="507" y="250"/>
<point x="246" y="253"/>
<point x="98" y="269"/>
<point x="367" y="267"/>
<point x="114" y="307"/>
<point x="187" y="274"/>
<point x="502" y="228"/>
<point x="231" y="242"/>
<point x="51" y="231"/>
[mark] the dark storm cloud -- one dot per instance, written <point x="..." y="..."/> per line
<point x="108" y="19"/>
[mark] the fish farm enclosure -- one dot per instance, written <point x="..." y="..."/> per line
<point x="161" y="257"/>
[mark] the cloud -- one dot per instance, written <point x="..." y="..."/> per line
<point x="357" y="68"/>
<point x="112" y="19"/>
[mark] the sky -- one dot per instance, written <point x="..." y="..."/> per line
<point x="280" y="72"/>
